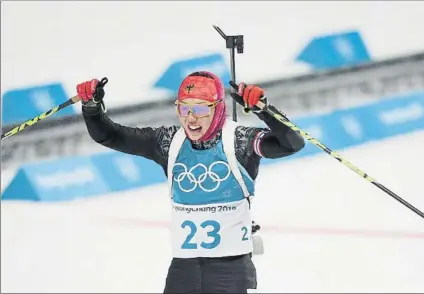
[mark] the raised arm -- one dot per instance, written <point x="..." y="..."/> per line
<point x="131" y="140"/>
<point x="147" y="142"/>
<point x="277" y="141"/>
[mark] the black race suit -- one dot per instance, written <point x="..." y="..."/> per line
<point x="232" y="274"/>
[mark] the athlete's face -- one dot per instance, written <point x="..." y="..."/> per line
<point x="195" y="116"/>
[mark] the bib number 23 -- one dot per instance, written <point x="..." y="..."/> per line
<point x="212" y="228"/>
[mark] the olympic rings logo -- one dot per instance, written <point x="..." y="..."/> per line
<point x="200" y="180"/>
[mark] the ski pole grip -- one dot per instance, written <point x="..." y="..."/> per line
<point x="261" y="105"/>
<point x="75" y="99"/>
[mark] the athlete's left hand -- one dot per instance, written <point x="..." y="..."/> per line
<point x="249" y="96"/>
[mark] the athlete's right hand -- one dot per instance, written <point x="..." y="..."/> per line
<point x="91" y="90"/>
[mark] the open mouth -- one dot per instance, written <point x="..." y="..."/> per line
<point x="195" y="128"/>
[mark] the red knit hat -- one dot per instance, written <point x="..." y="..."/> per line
<point x="206" y="86"/>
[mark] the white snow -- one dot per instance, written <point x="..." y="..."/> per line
<point x="324" y="228"/>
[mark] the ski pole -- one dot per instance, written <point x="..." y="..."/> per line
<point x="45" y="115"/>
<point x="335" y="155"/>
<point x="233" y="42"/>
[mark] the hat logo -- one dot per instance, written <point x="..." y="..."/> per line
<point x="189" y="88"/>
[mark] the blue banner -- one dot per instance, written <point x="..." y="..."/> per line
<point x="127" y="171"/>
<point x="98" y="174"/>
<point x="20" y="105"/>
<point x="64" y="179"/>
<point x="344" y="128"/>
<point x="177" y="71"/>
<point x="334" y="51"/>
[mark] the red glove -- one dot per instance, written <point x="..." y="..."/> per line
<point x="251" y="94"/>
<point x="87" y="89"/>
